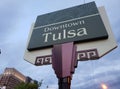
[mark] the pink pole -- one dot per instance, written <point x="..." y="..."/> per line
<point x="64" y="62"/>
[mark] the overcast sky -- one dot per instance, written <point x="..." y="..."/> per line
<point x="16" y="17"/>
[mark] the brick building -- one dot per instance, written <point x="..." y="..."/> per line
<point x="11" y="77"/>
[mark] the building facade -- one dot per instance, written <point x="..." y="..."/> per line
<point x="11" y="77"/>
<point x="9" y="81"/>
<point x="15" y="73"/>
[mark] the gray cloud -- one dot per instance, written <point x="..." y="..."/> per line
<point x="16" y="18"/>
<point x="9" y="11"/>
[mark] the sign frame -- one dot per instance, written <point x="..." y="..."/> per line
<point x="82" y="48"/>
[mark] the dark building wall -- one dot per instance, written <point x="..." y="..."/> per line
<point x="11" y="77"/>
<point x="0" y="76"/>
<point x="9" y="81"/>
<point x="15" y="73"/>
<point x="28" y="79"/>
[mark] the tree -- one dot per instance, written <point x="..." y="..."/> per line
<point x="29" y="85"/>
<point x="40" y="83"/>
<point x="26" y="86"/>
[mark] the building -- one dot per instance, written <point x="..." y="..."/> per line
<point x="30" y="80"/>
<point x="15" y="73"/>
<point x="0" y="76"/>
<point x="11" y="77"/>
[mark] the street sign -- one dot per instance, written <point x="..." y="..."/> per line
<point x="77" y="24"/>
<point x="44" y="54"/>
<point x="90" y="49"/>
<point x="97" y="49"/>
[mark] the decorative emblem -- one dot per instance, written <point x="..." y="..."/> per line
<point x="87" y="54"/>
<point x="43" y="60"/>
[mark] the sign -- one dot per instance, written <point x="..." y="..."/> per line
<point x="77" y="24"/>
<point x="85" y="50"/>
<point x="97" y="49"/>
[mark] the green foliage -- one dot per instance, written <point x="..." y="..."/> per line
<point x="26" y="86"/>
<point x="40" y="83"/>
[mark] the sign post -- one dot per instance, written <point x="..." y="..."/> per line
<point x="64" y="83"/>
<point x="63" y="63"/>
<point x="62" y="38"/>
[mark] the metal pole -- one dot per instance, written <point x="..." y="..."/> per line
<point x="64" y="83"/>
<point x="64" y="63"/>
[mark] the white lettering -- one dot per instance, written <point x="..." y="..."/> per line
<point x="64" y="26"/>
<point x="81" y="32"/>
<point x="46" y="36"/>
<point x="56" y="37"/>
<point x="71" y="33"/>
<point x="65" y="34"/>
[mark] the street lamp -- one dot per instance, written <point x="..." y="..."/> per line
<point x="104" y="86"/>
